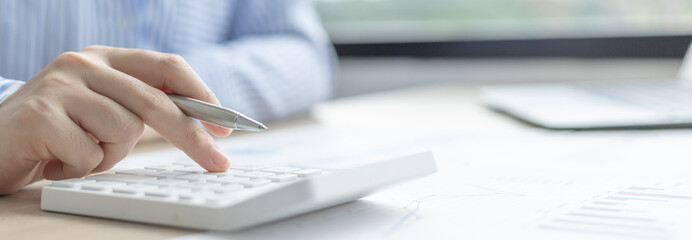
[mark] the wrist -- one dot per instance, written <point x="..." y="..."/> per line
<point x="8" y="87"/>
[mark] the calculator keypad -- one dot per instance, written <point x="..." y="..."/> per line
<point x="186" y="182"/>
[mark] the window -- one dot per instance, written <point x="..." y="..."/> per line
<point x="376" y="21"/>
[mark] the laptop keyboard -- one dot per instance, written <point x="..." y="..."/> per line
<point x="667" y="97"/>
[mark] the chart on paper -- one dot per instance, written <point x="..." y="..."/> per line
<point x="647" y="212"/>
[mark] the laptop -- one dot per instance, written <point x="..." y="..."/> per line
<point x="621" y="104"/>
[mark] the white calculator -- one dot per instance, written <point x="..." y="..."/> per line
<point x="185" y="195"/>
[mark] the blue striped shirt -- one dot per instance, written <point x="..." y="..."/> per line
<point x="266" y="58"/>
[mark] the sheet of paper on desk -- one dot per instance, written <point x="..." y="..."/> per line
<point x="569" y="185"/>
<point x="537" y="208"/>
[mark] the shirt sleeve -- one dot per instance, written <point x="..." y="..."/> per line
<point x="7" y="87"/>
<point x="277" y="63"/>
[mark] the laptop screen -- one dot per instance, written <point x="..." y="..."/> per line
<point x="685" y="71"/>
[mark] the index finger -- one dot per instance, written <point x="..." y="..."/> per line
<point x="161" y="70"/>
<point x="159" y="112"/>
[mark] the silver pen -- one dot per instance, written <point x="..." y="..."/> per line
<point x="217" y="115"/>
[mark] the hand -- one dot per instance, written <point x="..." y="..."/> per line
<point x="85" y="111"/>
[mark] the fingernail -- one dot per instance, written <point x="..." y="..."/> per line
<point x="219" y="158"/>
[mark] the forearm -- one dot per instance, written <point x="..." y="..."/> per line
<point x="266" y="77"/>
<point x="7" y="87"/>
<point x="277" y="62"/>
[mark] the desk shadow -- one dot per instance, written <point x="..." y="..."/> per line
<point x="26" y="201"/>
<point x="24" y="208"/>
<point x="349" y="220"/>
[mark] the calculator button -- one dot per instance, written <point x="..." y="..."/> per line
<point x="133" y="188"/>
<point x="198" y="185"/>
<point x="157" y="193"/>
<point x="142" y="186"/>
<point x="125" y="189"/>
<point x="165" y="174"/>
<point x="186" y="196"/>
<point x="136" y="171"/>
<point x="255" y="174"/>
<point x="151" y="173"/>
<point x="184" y="164"/>
<point x="191" y="170"/>
<point x="225" y="174"/>
<point x="283" y="177"/>
<point x="255" y="182"/>
<point x="227" y="180"/>
<point x="247" y="167"/>
<point x="165" y="182"/>
<point x="280" y="169"/>
<point x="70" y="183"/>
<point x="308" y="172"/>
<point x="120" y="178"/>
<point x="164" y="167"/>
<point x="195" y="177"/>
<point x="101" y="185"/>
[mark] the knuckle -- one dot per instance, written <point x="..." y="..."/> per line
<point x="91" y="156"/>
<point x="198" y="136"/>
<point x="132" y="130"/>
<point x="95" y="154"/>
<point x="142" y="52"/>
<point x="73" y="59"/>
<point x="70" y="57"/>
<point x="173" y="61"/>
<point x="88" y="155"/>
<point x="94" y="48"/>
<point x="53" y="81"/>
<point x="34" y="110"/>
<point x="154" y="101"/>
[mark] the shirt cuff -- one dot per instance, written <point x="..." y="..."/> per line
<point x="7" y="87"/>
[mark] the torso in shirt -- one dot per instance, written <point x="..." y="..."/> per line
<point x="34" y="32"/>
